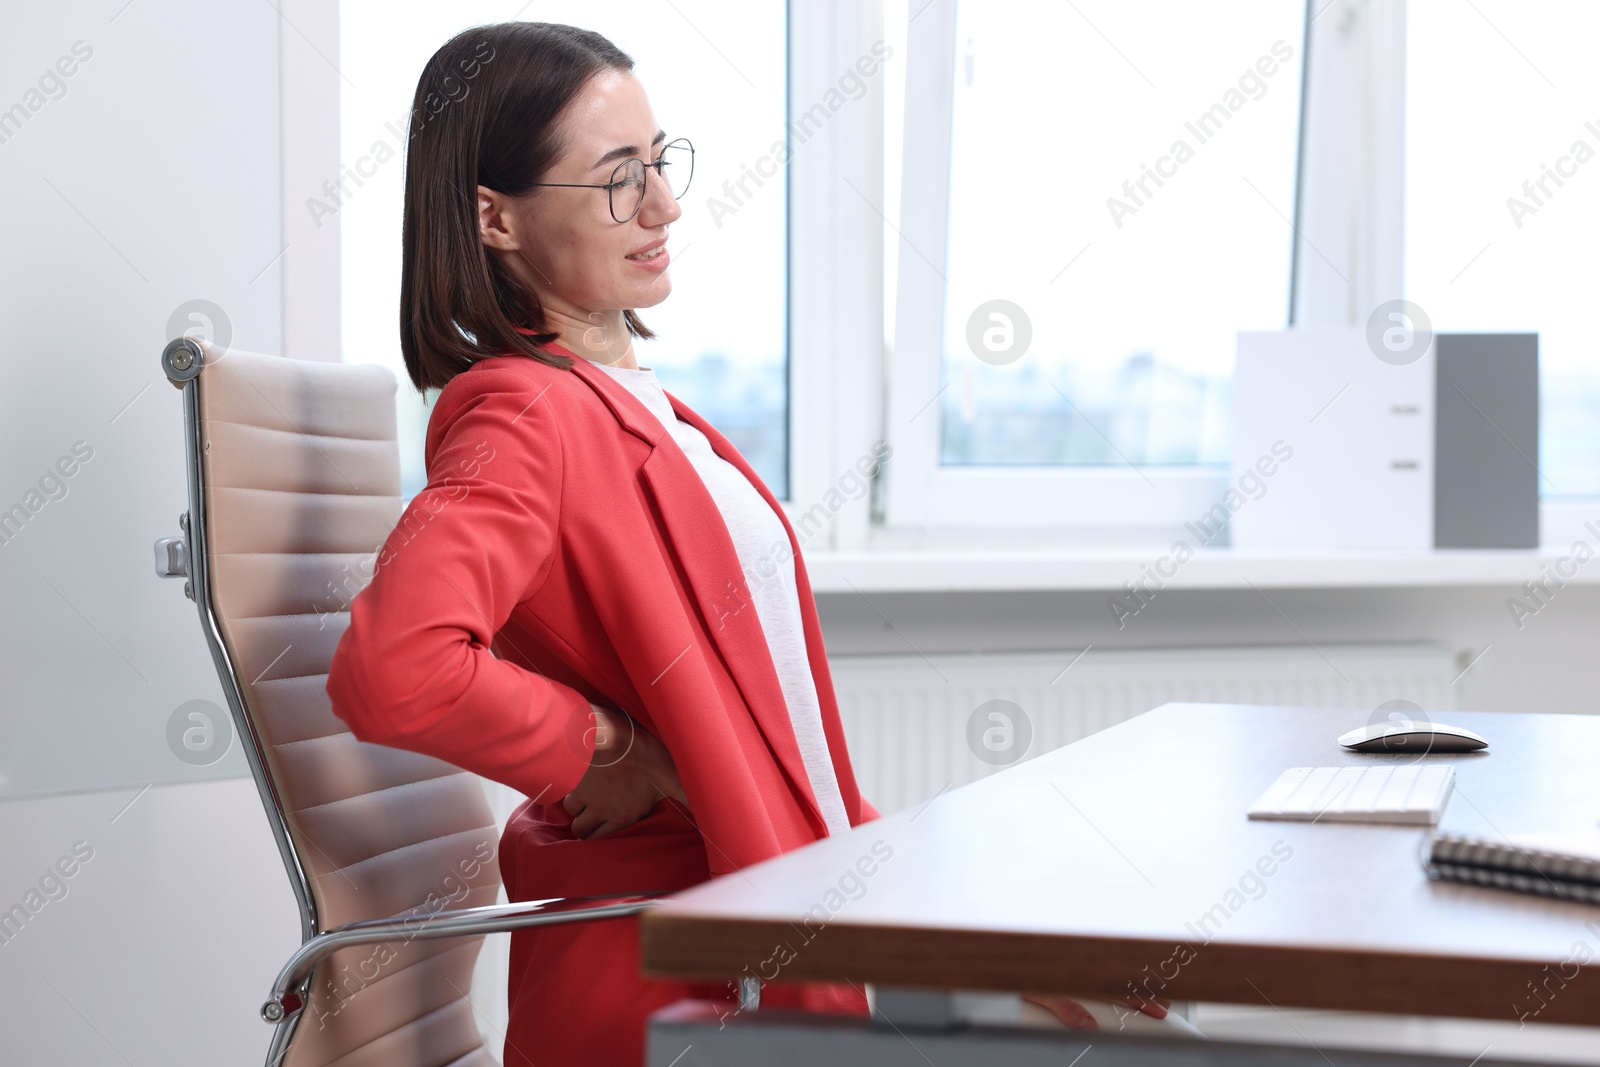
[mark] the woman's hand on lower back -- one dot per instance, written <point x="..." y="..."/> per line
<point x="629" y="772"/>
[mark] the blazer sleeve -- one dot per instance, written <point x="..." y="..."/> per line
<point x="414" y="668"/>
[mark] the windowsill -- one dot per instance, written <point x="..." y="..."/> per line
<point x="946" y="569"/>
<point x="902" y="560"/>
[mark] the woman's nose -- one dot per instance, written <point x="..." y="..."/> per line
<point x="659" y="207"/>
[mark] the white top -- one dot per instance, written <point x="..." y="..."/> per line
<point x="755" y="529"/>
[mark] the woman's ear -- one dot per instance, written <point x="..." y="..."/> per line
<point x="493" y="220"/>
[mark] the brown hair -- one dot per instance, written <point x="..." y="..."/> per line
<point x="484" y="113"/>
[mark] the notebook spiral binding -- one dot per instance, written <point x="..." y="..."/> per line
<point x="1504" y="864"/>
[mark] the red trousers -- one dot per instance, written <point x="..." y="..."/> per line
<point x="577" y="996"/>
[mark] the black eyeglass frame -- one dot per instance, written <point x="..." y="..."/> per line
<point x="610" y="187"/>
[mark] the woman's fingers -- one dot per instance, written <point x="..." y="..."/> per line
<point x="1156" y="1009"/>
<point x="571" y="804"/>
<point x="674" y="790"/>
<point x="585" y="823"/>
<point x="1075" y="1015"/>
<point x="1063" y="1007"/>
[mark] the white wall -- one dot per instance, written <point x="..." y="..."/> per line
<point x="160" y="947"/>
<point x="150" y="182"/>
<point x="150" y="177"/>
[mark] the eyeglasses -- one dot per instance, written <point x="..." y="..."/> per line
<point x="626" y="188"/>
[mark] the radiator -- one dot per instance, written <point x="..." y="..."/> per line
<point x="909" y="719"/>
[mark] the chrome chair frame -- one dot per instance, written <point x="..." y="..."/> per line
<point x="182" y="360"/>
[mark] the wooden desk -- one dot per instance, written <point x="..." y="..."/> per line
<point x="1127" y="858"/>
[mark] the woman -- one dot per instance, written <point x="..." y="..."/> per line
<point x="667" y="719"/>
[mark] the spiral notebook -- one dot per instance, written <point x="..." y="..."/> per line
<point x="1566" y="866"/>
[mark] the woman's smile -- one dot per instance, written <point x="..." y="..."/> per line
<point x="652" y="258"/>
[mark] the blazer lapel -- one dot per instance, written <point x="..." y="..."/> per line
<point x="699" y="539"/>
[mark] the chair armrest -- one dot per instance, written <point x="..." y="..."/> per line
<point x="286" y="998"/>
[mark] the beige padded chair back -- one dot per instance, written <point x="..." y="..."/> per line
<point x="301" y="485"/>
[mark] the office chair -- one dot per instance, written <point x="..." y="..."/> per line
<point x="293" y="470"/>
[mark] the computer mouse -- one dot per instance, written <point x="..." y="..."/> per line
<point x="1412" y="738"/>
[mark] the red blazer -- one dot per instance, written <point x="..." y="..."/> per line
<point x="565" y="551"/>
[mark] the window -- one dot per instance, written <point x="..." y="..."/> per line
<point x="1110" y="203"/>
<point x="716" y="72"/>
<point x="1503" y="195"/>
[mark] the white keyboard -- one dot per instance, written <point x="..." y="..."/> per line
<point x="1413" y="794"/>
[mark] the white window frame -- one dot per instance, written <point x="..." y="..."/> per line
<point x="835" y="272"/>
<point x="1348" y="257"/>
<point x="1349" y="246"/>
<point x="921" y="492"/>
<point x="1352" y="203"/>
